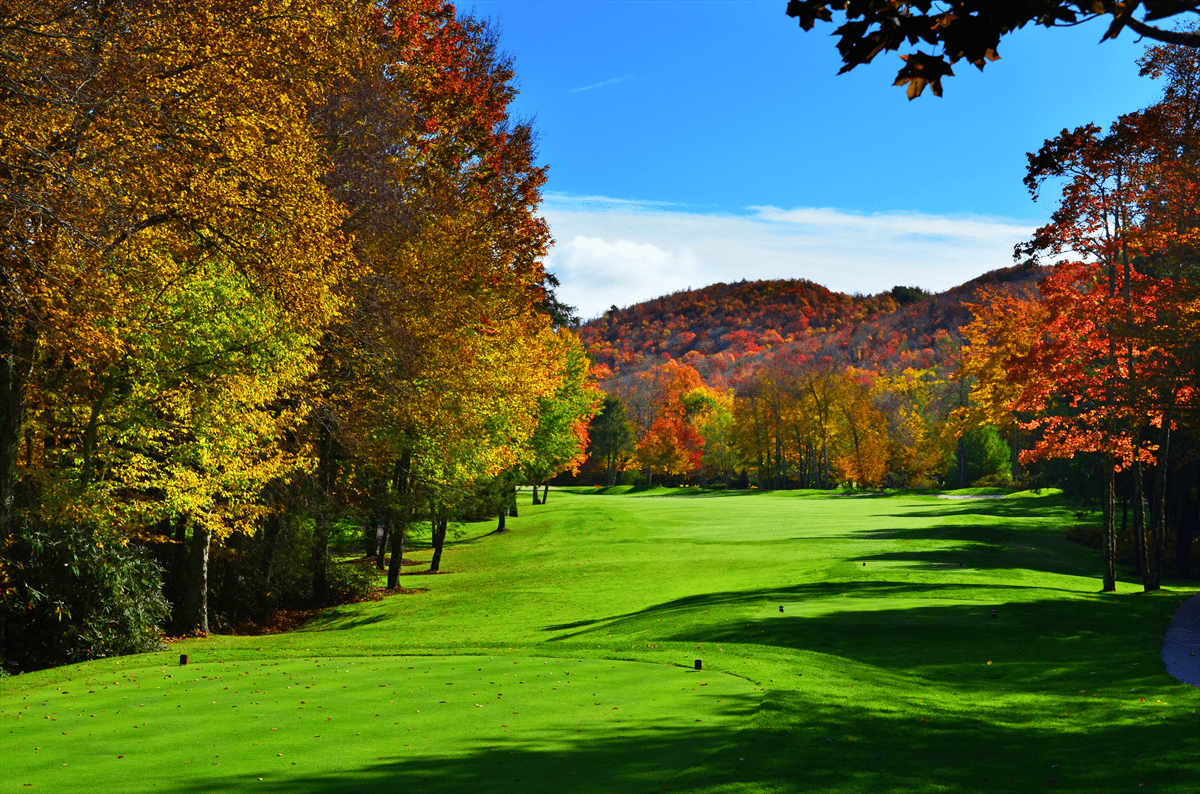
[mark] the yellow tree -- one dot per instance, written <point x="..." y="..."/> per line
<point x="919" y="441"/>
<point x="863" y="459"/>
<point x="561" y="440"/>
<point x="711" y="412"/>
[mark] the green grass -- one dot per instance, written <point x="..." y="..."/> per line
<point x="558" y="657"/>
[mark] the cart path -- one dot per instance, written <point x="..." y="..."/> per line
<point x="1181" y="646"/>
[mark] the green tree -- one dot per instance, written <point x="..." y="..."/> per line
<point x="560" y="441"/>
<point x="610" y="439"/>
<point x="984" y="456"/>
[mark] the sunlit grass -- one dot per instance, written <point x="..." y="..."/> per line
<point x="884" y="671"/>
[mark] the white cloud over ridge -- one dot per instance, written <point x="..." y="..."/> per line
<point x="620" y="252"/>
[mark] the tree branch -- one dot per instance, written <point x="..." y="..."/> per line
<point x="1184" y="38"/>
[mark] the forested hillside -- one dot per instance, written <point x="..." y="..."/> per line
<point x="726" y="331"/>
<point x="786" y="383"/>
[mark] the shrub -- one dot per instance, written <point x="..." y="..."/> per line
<point x="998" y="480"/>
<point x="350" y="582"/>
<point x="78" y="593"/>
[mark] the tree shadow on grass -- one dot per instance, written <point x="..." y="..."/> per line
<point x="996" y="508"/>
<point x="768" y="597"/>
<point x="791" y="743"/>
<point x="988" y="547"/>
<point x="648" y="492"/>
<point x="948" y="628"/>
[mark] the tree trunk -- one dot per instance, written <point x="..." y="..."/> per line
<point x="197" y="611"/>
<point x="1110" y="536"/>
<point x="18" y="346"/>
<point x="825" y="470"/>
<point x="960" y="452"/>
<point x="512" y="502"/>
<point x="402" y="488"/>
<point x="439" y="542"/>
<point x="545" y="493"/>
<point x="382" y="531"/>
<point x="1158" y="519"/>
<point x="778" y="456"/>
<point x="536" y="501"/>
<point x="1139" y="516"/>
<point x="503" y="516"/>
<point x="320" y="559"/>
<point x="398" y="536"/>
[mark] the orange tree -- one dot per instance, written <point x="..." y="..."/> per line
<point x="1091" y="365"/>
<point x="654" y="400"/>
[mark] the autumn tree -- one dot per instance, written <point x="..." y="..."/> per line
<point x="711" y="413"/>
<point x="864" y="458"/>
<point x="161" y="174"/>
<point x="653" y="400"/>
<point x="445" y="351"/>
<point x="1004" y="329"/>
<point x="917" y="435"/>
<point x="560" y="441"/>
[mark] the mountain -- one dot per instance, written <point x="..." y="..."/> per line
<point x="726" y="331"/>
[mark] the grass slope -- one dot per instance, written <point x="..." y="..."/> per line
<point x="557" y="657"/>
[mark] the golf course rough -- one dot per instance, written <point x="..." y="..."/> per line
<point x="559" y="656"/>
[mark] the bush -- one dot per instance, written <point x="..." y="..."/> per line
<point x="255" y="576"/>
<point x="350" y="582"/>
<point x="78" y="593"/>
<point x="1001" y="479"/>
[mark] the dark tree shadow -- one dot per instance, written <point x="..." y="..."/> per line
<point x="792" y="744"/>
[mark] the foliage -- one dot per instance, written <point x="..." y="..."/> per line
<point x="906" y="295"/>
<point x="76" y="592"/>
<point x="560" y="441"/>
<point x="985" y="459"/>
<point x="727" y="332"/>
<point x="610" y="443"/>
<point x="967" y="30"/>
<point x="289" y="271"/>
<point x="1100" y="365"/>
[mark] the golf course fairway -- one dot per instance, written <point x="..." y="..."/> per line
<point x="560" y="655"/>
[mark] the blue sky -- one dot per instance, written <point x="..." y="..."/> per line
<point x="694" y="142"/>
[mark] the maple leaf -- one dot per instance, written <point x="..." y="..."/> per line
<point x="922" y="70"/>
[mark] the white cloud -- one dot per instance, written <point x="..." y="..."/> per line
<point x="620" y="252"/>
